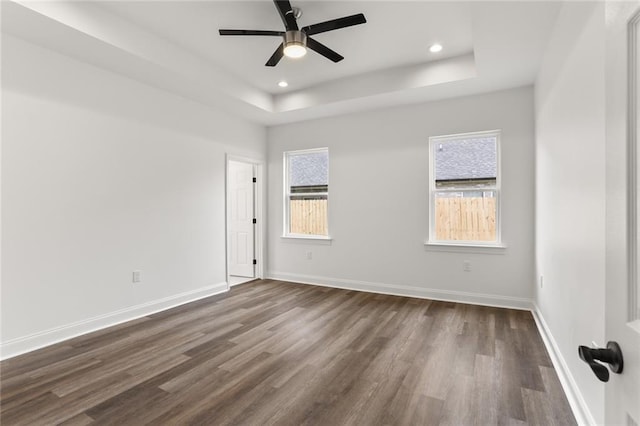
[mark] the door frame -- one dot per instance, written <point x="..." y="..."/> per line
<point x="259" y="212"/>
<point x="633" y="159"/>
<point x="621" y="317"/>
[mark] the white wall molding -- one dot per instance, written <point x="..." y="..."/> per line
<point x="407" y="291"/>
<point x="34" y="341"/>
<point x="572" y="391"/>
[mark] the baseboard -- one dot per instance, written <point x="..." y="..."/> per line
<point x="408" y="291"/>
<point x="21" y="345"/>
<point x="576" y="401"/>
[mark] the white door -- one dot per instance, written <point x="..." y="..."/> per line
<point x="622" y="318"/>
<point x="241" y="214"/>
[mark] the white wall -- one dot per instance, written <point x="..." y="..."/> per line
<point x="101" y="176"/>
<point x="378" y="202"/>
<point x="570" y="193"/>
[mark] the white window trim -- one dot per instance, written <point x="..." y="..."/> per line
<point x="431" y="241"/>
<point x="471" y="247"/>
<point x="287" y="194"/>
<point x="307" y="237"/>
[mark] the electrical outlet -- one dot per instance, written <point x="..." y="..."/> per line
<point x="541" y="281"/>
<point x="136" y="277"/>
<point x="309" y="255"/>
<point x="466" y="266"/>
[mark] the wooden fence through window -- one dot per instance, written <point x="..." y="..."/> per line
<point x="466" y="218"/>
<point x="308" y="217"/>
<point x="460" y="219"/>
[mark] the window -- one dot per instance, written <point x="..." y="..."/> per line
<point x="306" y="177"/>
<point x="464" y="188"/>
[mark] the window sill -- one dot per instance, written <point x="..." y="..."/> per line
<point x="307" y="239"/>
<point x="465" y="247"/>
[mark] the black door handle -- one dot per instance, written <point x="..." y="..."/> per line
<point x="612" y="356"/>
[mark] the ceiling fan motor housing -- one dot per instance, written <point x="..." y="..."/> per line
<point x="295" y="38"/>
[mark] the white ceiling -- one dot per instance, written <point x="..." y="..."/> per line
<point x="174" y="45"/>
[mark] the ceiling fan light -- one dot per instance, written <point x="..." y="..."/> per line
<point x="295" y="44"/>
<point x="295" y="50"/>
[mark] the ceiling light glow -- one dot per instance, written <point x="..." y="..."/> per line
<point x="435" y="48"/>
<point x="295" y="50"/>
<point x="283" y="84"/>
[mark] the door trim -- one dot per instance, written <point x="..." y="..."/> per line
<point x="633" y="33"/>
<point x="258" y="200"/>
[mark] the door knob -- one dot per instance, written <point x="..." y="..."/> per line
<point x="612" y="356"/>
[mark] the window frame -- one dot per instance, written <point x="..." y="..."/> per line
<point x="497" y="189"/>
<point x="286" y="226"/>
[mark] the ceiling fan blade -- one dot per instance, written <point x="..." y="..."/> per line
<point x="335" y="24"/>
<point x="250" y="33"/>
<point x="277" y="55"/>
<point x="323" y="50"/>
<point x="286" y="13"/>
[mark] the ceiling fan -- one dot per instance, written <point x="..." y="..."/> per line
<point x="296" y="40"/>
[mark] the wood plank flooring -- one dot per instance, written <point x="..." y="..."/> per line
<point x="270" y="352"/>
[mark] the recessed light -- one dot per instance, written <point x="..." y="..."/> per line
<point x="435" y="48"/>
<point x="283" y="83"/>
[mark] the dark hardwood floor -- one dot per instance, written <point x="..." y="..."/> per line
<point x="270" y="352"/>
